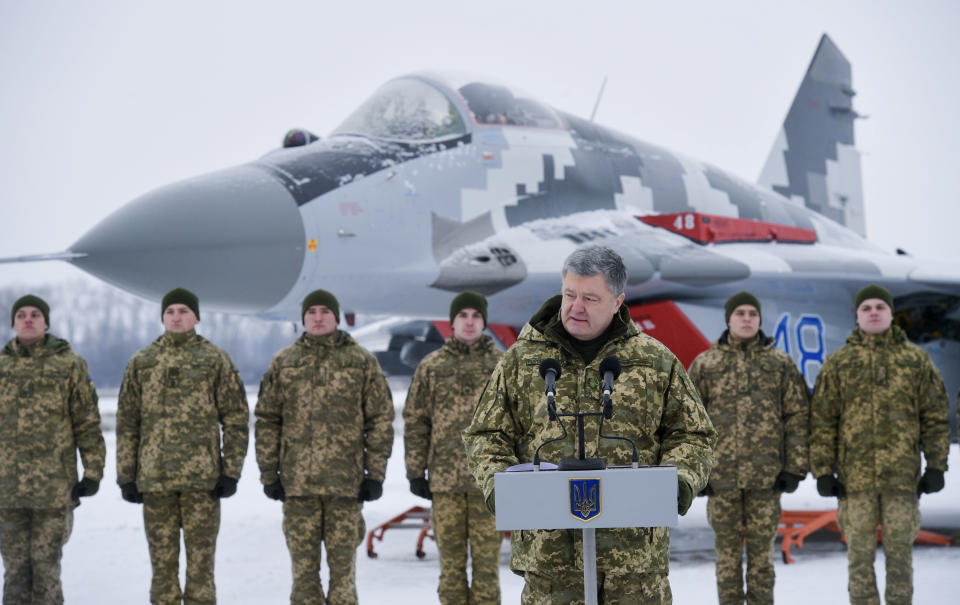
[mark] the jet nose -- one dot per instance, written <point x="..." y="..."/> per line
<point x="235" y="237"/>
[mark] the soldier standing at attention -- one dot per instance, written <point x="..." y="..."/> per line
<point x="48" y="411"/>
<point x="176" y="395"/>
<point x="324" y="433"/>
<point x="656" y="405"/>
<point x="757" y="401"/>
<point x="440" y="404"/>
<point x="878" y="402"/>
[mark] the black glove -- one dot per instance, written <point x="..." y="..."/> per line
<point x="421" y="487"/>
<point x="225" y="487"/>
<point x="932" y="481"/>
<point x="684" y="497"/>
<point x="829" y="487"/>
<point x="274" y="491"/>
<point x="706" y="491"/>
<point x="88" y="487"/>
<point x="130" y="493"/>
<point x="370" y="490"/>
<point x="787" y="482"/>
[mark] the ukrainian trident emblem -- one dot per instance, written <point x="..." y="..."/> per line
<point x="585" y="498"/>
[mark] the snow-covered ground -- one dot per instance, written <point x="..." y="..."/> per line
<point x="106" y="560"/>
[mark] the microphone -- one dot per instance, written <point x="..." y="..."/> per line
<point x="550" y="372"/>
<point x="610" y="369"/>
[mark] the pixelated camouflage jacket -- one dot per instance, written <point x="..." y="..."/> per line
<point x="324" y="418"/>
<point x="48" y="411"/>
<point x="440" y="404"/>
<point x="878" y="402"/>
<point x="758" y="402"/>
<point x="175" y="396"/>
<point x="655" y="404"/>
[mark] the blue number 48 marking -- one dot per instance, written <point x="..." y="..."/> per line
<point x="809" y="342"/>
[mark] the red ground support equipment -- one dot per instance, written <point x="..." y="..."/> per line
<point x="795" y="525"/>
<point x="426" y="532"/>
<point x="408" y="519"/>
<point x="412" y="518"/>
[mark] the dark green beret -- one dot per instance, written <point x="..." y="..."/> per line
<point x="180" y="296"/>
<point x="469" y="300"/>
<point x="31" y="300"/>
<point x="320" y="297"/>
<point x="873" y="291"/>
<point x="740" y="298"/>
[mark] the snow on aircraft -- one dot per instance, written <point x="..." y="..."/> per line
<point x="439" y="183"/>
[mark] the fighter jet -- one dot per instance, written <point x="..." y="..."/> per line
<point x="444" y="182"/>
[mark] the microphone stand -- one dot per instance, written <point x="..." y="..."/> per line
<point x="582" y="463"/>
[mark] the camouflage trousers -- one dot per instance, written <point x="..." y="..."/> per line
<point x="738" y="516"/>
<point x="164" y="515"/>
<point x="338" y="524"/>
<point x="858" y="516"/>
<point x="31" y="543"/>
<point x="612" y="589"/>
<point x="459" y="518"/>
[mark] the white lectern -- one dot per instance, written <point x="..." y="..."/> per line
<point x="586" y="499"/>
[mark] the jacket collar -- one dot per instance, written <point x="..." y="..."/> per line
<point x="545" y="326"/>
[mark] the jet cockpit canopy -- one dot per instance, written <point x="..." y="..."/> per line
<point x="405" y="109"/>
<point x="430" y="107"/>
<point x="497" y="104"/>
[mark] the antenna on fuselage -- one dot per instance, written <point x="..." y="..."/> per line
<point x="603" y="85"/>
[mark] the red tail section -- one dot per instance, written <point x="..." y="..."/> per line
<point x="666" y="322"/>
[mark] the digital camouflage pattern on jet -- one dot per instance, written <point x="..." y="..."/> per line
<point x="482" y="187"/>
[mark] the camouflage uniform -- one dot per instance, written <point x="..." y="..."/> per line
<point x="440" y="404"/>
<point x="877" y="403"/>
<point x="324" y="424"/>
<point x="175" y="396"/>
<point x="48" y="410"/>
<point x="655" y="405"/>
<point x="757" y="401"/>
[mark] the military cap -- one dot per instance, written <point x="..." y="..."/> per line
<point x="320" y="297"/>
<point x="873" y="291"/>
<point x="181" y="296"/>
<point x="468" y="300"/>
<point x="740" y="298"/>
<point x="31" y="300"/>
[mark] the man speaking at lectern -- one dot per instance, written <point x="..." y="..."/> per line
<point x="655" y="405"/>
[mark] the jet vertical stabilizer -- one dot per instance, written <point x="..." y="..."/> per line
<point x="813" y="160"/>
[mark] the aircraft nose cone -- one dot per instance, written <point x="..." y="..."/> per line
<point x="234" y="237"/>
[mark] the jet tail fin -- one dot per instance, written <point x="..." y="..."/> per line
<point x="813" y="160"/>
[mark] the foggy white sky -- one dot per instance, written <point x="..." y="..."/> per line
<point x="103" y="101"/>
